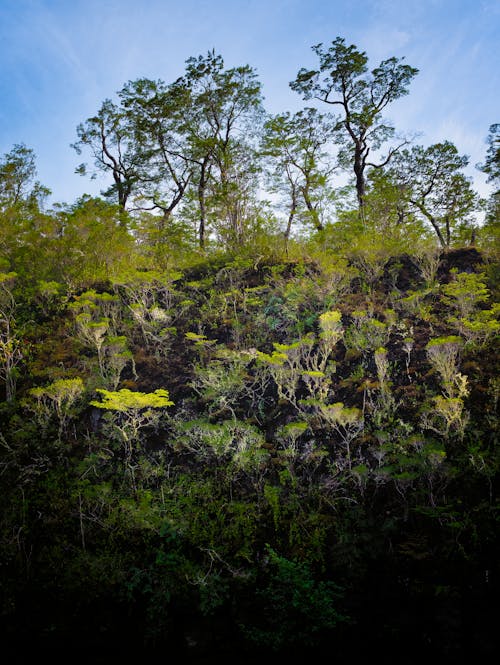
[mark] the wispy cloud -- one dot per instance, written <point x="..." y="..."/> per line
<point x="60" y="59"/>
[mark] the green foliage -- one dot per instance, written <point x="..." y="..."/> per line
<point x="366" y="333"/>
<point x="97" y="318"/>
<point x="342" y="79"/>
<point x="56" y="399"/>
<point x="11" y="346"/>
<point x="437" y="189"/>
<point x="96" y="244"/>
<point x="465" y="292"/>
<point x="448" y="412"/>
<point x="298" y="169"/>
<point x="333" y="387"/>
<point x="126" y="400"/>
<point x="491" y="165"/>
<point x="225" y="380"/>
<point x="465" y="295"/>
<point x="130" y="412"/>
<point x="296" y="610"/>
<point x="230" y="441"/>
<point x="443" y="353"/>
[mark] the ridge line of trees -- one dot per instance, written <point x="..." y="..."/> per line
<point x="198" y="163"/>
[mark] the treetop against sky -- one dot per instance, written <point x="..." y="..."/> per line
<point x="61" y="59"/>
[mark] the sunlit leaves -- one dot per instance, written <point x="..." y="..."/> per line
<point x="126" y="400"/>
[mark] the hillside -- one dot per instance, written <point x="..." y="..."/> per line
<point x="254" y="453"/>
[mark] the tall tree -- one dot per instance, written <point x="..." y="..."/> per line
<point x="491" y="164"/>
<point x="491" y="167"/>
<point x="436" y="187"/>
<point x="298" y="165"/>
<point x="25" y="229"/>
<point x="110" y="140"/>
<point x="162" y="141"/>
<point x="343" y="80"/>
<point x="155" y="112"/>
<point x="225" y="108"/>
<point x="18" y="186"/>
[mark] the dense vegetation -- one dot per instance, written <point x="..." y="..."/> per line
<point x="237" y="425"/>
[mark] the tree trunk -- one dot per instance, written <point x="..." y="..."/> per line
<point x="360" y="181"/>
<point x="202" y="184"/>
<point x="311" y="209"/>
<point x="432" y="221"/>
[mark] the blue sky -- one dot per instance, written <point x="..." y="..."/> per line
<point x="61" y="58"/>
